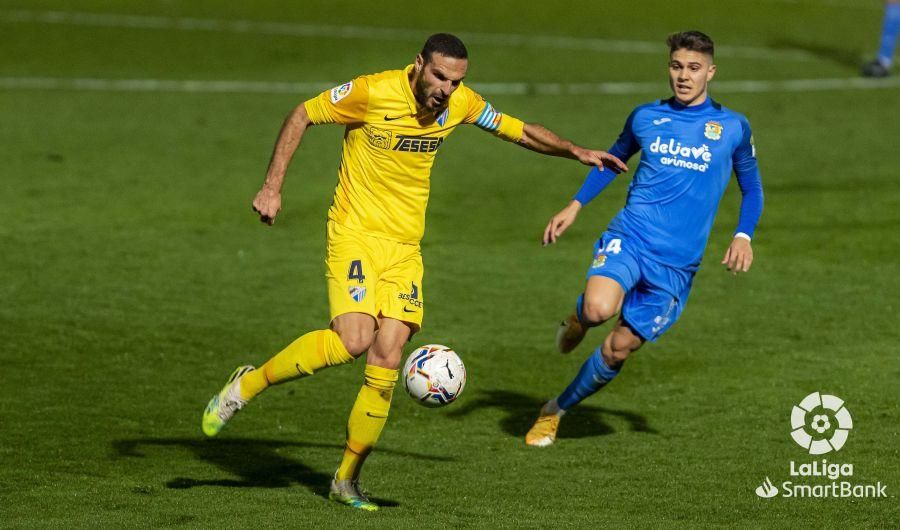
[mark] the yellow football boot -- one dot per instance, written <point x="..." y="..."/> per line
<point x="543" y="432"/>
<point x="224" y="405"/>
<point x="348" y="492"/>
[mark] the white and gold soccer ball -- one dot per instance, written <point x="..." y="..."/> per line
<point x="434" y="375"/>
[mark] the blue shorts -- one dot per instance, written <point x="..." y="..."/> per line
<point x="655" y="294"/>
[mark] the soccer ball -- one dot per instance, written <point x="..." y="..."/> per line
<point x="434" y="375"/>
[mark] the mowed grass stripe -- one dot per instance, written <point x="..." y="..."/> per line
<point x="292" y="29"/>
<point x="505" y="89"/>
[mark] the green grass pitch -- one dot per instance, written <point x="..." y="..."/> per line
<point x="134" y="277"/>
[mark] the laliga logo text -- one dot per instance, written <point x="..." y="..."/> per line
<point x="821" y="424"/>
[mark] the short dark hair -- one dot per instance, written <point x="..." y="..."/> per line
<point x="695" y="41"/>
<point x="444" y="44"/>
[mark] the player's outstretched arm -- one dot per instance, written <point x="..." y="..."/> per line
<point x="560" y="222"/>
<point x="267" y="202"/>
<point x="542" y="140"/>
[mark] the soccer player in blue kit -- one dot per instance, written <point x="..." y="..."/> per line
<point x="644" y="264"/>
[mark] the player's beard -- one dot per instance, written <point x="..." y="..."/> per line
<point x="422" y="97"/>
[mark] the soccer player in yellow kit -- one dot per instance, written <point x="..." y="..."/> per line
<point x="395" y="123"/>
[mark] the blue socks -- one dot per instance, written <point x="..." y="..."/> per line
<point x="889" y="31"/>
<point x="593" y="375"/>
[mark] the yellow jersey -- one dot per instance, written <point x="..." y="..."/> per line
<point x="389" y="147"/>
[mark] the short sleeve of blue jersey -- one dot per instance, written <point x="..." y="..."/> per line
<point x="624" y="148"/>
<point x="746" y="171"/>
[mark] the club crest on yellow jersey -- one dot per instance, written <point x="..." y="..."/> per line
<point x="380" y="138"/>
<point x="442" y="118"/>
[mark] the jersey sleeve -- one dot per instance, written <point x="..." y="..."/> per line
<point x="343" y="104"/>
<point x="486" y="117"/>
<point x="596" y="181"/>
<point x="626" y="144"/>
<point x="749" y="181"/>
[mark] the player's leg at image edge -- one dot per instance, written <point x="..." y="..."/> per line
<point x="881" y="66"/>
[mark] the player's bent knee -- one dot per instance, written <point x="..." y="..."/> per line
<point x="598" y="311"/>
<point x="357" y="342"/>
<point x="356" y="331"/>
<point x="385" y="359"/>
<point x="387" y="351"/>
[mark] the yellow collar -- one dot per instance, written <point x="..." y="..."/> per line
<point x="407" y="90"/>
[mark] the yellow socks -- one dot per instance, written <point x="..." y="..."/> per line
<point x="367" y="418"/>
<point x="304" y="356"/>
<point x="309" y="354"/>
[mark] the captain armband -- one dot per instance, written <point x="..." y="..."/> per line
<point x="503" y="125"/>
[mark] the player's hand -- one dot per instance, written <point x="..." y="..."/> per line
<point x="267" y="204"/>
<point x="600" y="159"/>
<point x="560" y="222"/>
<point x="739" y="255"/>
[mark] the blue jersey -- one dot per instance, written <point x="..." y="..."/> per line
<point x="688" y="154"/>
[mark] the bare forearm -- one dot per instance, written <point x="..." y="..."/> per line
<point x="542" y="140"/>
<point x="289" y="139"/>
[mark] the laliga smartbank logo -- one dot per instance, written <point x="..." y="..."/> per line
<point x="820" y="423"/>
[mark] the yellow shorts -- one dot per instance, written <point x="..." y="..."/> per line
<point x="372" y="275"/>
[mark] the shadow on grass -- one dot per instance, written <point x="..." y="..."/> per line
<point x="521" y="410"/>
<point x="255" y="463"/>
